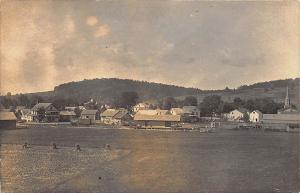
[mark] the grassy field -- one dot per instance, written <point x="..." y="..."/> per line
<point x="148" y="161"/>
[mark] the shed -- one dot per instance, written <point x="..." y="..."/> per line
<point x="156" y="121"/>
<point x="8" y="120"/>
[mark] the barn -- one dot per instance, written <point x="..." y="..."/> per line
<point x="8" y="120"/>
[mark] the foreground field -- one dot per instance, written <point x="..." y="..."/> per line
<point x="148" y="161"/>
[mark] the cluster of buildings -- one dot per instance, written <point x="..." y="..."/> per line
<point x="287" y="115"/>
<point x="141" y="115"/>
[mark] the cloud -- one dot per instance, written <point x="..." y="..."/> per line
<point x="91" y="20"/>
<point x="101" y="31"/>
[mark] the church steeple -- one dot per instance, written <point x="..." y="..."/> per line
<point x="287" y="102"/>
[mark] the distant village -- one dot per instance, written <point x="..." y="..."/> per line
<point x="146" y="115"/>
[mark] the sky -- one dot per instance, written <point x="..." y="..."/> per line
<point x="206" y="45"/>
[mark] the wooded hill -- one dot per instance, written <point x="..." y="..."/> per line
<point x="106" y="91"/>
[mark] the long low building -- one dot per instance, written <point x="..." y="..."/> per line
<point x="8" y="120"/>
<point x="156" y="121"/>
<point x="281" y="118"/>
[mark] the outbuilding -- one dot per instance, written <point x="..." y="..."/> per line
<point x="8" y="120"/>
<point x="156" y="121"/>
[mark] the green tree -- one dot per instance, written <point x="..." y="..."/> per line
<point x="77" y="111"/>
<point x="190" y="101"/>
<point x="169" y="103"/>
<point x="126" y="100"/>
<point x="211" y="104"/>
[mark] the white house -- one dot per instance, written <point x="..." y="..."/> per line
<point x="237" y="114"/>
<point x="141" y="106"/>
<point x="26" y="115"/>
<point x="255" y="116"/>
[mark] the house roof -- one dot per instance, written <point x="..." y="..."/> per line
<point x="5" y="116"/>
<point x="89" y="112"/>
<point x="109" y="113"/>
<point x="177" y="110"/>
<point x="121" y="114"/>
<point x="141" y="117"/>
<point x="242" y="110"/>
<point x="152" y="112"/>
<point x="41" y="105"/>
<point x="70" y="108"/>
<point x="284" y="117"/>
<point x="25" y="111"/>
<point x="67" y="113"/>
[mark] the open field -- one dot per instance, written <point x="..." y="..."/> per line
<point x="148" y="161"/>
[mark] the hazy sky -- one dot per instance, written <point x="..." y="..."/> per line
<point x="208" y="45"/>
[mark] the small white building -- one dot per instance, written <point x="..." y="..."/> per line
<point x="237" y="114"/>
<point x="255" y="116"/>
<point x="26" y="115"/>
<point x="141" y="106"/>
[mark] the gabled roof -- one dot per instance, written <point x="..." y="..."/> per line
<point x="25" y="111"/>
<point x="241" y="110"/>
<point x="7" y="116"/>
<point x="67" y="113"/>
<point x="141" y="117"/>
<point x="109" y="113"/>
<point x="121" y="114"/>
<point x="42" y="105"/>
<point x="89" y="112"/>
<point x="152" y="112"/>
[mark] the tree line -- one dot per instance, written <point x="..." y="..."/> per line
<point x="210" y="104"/>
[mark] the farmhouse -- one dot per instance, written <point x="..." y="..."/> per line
<point x="156" y="121"/>
<point x="255" y="116"/>
<point x="26" y="115"/>
<point x="237" y="114"/>
<point x="8" y="120"/>
<point x="44" y="112"/>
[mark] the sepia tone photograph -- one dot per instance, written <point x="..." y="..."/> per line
<point x="154" y="96"/>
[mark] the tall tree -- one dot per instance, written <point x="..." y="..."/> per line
<point x="126" y="100"/>
<point x="211" y="104"/>
<point x="190" y="101"/>
<point x="169" y="103"/>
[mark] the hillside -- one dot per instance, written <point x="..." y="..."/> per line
<point x="106" y="90"/>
